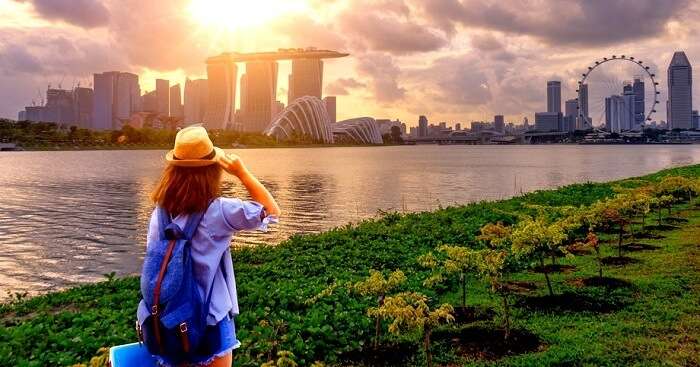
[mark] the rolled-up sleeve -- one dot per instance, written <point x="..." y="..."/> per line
<point x="242" y="215"/>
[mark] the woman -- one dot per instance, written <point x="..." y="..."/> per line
<point x="190" y="184"/>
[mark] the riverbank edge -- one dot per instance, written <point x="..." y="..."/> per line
<point x="64" y="296"/>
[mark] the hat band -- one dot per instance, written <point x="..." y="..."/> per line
<point x="209" y="156"/>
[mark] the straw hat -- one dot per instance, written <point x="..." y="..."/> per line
<point x="193" y="148"/>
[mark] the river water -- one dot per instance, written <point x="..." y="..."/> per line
<point x="70" y="217"/>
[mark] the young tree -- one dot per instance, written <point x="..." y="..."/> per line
<point x="493" y="267"/>
<point x="378" y="286"/>
<point x="410" y="311"/>
<point x="457" y="260"/>
<point x="659" y="202"/>
<point x="535" y="238"/>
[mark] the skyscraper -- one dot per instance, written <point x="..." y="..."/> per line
<point x="330" y="102"/>
<point x="176" y="101"/>
<point x="680" y="92"/>
<point x="422" y="126"/>
<point x="259" y="94"/>
<point x="583" y="121"/>
<point x="196" y="94"/>
<point x="163" y="96"/>
<point x="306" y="79"/>
<point x="553" y="96"/>
<point x="222" y="77"/>
<point x="619" y="112"/>
<point x="82" y="106"/>
<point x="127" y="96"/>
<point x="104" y="85"/>
<point x="499" y="123"/>
<point x="638" y="89"/>
<point x="571" y="114"/>
<point x="149" y="101"/>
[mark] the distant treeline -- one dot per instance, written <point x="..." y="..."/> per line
<point x="49" y="135"/>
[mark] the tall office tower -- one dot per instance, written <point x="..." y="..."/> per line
<point x="176" y="101"/>
<point x="422" y="126"/>
<point x="244" y="92"/>
<point x="680" y="92"/>
<point x="196" y="94"/>
<point x="82" y="106"/>
<point x="330" y="102"/>
<point x="696" y="120"/>
<point x="615" y="112"/>
<point x="306" y="79"/>
<point x="222" y="78"/>
<point x="583" y="123"/>
<point x="260" y="95"/>
<point x="163" y="96"/>
<point x="638" y="89"/>
<point x="127" y="96"/>
<point x="104" y="85"/>
<point x="499" y="123"/>
<point x="627" y="121"/>
<point x="149" y="101"/>
<point x="553" y="96"/>
<point x="571" y="113"/>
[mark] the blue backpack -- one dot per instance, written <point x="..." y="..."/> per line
<point x="178" y="315"/>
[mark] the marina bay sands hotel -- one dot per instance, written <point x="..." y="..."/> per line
<point x="258" y="85"/>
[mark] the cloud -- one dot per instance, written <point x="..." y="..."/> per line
<point x="458" y="81"/>
<point x="383" y="74"/>
<point x="302" y="31"/>
<point x="559" y="22"/>
<point x="16" y="59"/>
<point x="341" y="87"/>
<point x="388" y="27"/>
<point x="81" y="13"/>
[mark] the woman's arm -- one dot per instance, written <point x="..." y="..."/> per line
<point x="233" y="164"/>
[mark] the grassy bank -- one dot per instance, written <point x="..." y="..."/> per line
<point x="649" y="317"/>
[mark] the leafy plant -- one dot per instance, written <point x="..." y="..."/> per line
<point x="457" y="260"/>
<point x="378" y="286"/>
<point x="410" y="311"/>
<point x="284" y="359"/>
<point x="534" y="239"/>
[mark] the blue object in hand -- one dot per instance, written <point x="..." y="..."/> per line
<point x="130" y="355"/>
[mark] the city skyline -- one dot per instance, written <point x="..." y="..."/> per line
<point x="442" y="67"/>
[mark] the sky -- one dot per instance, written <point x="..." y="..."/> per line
<point x="451" y="60"/>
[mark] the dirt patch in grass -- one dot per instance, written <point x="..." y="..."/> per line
<point x="555" y="268"/>
<point x="675" y="220"/>
<point x="661" y="227"/>
<point x="397" y="354"/>
<point x="577" y="301"/>
<point x="605" y="282"/>
<point x="636" y="246"/>
<point x="619" y="260"/>
<point x="648" y="235"/>
<point x="580" y="251"/>
<point x="520" y="286"/>
<point x="469" y="314"/>
<point x="490" y="344"/>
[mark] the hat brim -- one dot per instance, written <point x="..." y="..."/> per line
<point x="170" y="158"/>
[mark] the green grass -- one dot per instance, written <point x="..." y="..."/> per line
<point x="654" y="322"/>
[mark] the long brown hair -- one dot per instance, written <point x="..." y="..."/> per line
<point x="184" y="190"/>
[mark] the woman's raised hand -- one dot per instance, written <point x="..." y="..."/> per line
<point x="232" y="164"/>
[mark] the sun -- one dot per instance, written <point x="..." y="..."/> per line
<point x="239" y="14"/>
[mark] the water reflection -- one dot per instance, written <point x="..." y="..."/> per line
<point x="69" y="217"/>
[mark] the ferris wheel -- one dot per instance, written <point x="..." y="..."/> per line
<point x="622" y="79"/>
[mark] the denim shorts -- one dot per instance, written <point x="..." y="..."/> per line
<point x="219" y="340"/>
